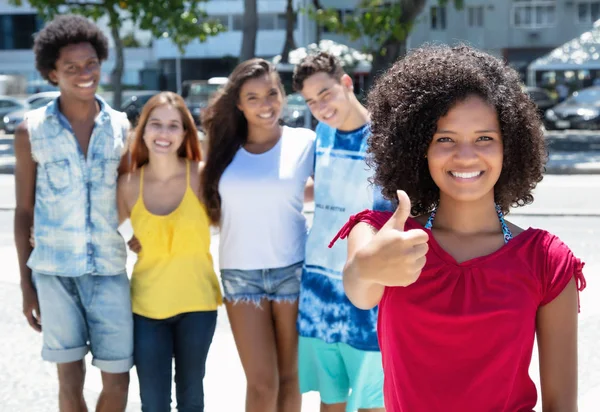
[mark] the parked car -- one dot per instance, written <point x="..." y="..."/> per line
<point x="541" y="97"/>
<point x="295" y="111"/>
<point x="133" y="105"/>
<point x="580" y="111"/>
<point x="47" y="97"/>
<point x="197" y="94"/>
<point x="7" y="105"/>
<point x="14" y="118"/>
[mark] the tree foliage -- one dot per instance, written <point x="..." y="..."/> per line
<point x="377" y="22"/>
<point x="179" y="20"/>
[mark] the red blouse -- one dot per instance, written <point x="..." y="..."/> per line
<point x="460" y="338"/>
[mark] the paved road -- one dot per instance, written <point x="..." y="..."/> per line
<point x="28" y="384"/>
<point x="571" y="152"/>
<point x="556" y="194"/>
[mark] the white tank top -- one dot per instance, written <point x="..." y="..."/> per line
<point x="262" y="196"/>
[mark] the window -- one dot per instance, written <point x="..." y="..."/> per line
<point x="438" y="18"/>
<point x="531" y="14"/>
<point x="588" y="12"/>
<point x="475" y="16"/>
<point x="282" y="21"/>
<point x="266" y="21"/>
<point x="238" y="22"/>
<point x="17" y="30"/>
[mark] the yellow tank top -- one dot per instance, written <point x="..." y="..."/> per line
<point x="174" y="272"/>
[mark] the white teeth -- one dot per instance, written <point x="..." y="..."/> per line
<point x="162" y="143"/>
<point x="328" y="115"/>
<point x="266" y="115"/>
<point x="468" y="175"/>
<point x="85" y="85"/>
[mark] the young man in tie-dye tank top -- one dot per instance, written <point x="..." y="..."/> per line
<point x="338" y="349"/>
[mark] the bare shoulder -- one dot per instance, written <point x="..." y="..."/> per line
<point x="195" y="177"/>
<point x="128" y="186"/>
<point x="196" y="169"/>
<point x="362" y="230"/>
<point x="514" y="229"/>
<point x="22" y="135"/>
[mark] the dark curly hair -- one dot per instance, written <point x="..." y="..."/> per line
<point x="63" y="31"/>
<point x="316" y="63"/>
<point x="407" y="101"/>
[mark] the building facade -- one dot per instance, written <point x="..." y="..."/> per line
<point x="517" y="30"/>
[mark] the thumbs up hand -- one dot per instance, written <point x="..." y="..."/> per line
<point x="395" y="257"/>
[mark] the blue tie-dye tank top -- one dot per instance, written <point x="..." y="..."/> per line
<point x="341" y="190"/>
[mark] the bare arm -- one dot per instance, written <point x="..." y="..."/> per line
<point x="309" y="190"/>
<point x="557" y="345"/>
<point x="122" y="200"/>
<point x="362" y="292"/>
<point x="25" y="179"/>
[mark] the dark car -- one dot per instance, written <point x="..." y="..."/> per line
<point x="198" y="93"/>
<point x="580" y="111"/>
<point x="132" y="107"/>
<point x="541" y="97"/>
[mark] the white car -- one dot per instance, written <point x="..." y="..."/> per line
<point x="14" y="118"/>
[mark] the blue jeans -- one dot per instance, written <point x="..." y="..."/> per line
<point x="185" y="337"/>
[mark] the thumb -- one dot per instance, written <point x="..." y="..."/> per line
<point x="402" y="212"/>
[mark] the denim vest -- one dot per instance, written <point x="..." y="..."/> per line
<point x="75" y="215"/>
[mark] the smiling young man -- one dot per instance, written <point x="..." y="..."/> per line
<point x="67" y="155"/>
<point x="338" y="349"/>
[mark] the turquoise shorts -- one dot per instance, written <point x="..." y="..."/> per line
<point x="341" y="374"/>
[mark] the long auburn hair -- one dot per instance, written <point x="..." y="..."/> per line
<point x="190" y="147"/>
<point x="227" y="129"/>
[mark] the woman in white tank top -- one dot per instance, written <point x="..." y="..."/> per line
<point x="254" y="183"/>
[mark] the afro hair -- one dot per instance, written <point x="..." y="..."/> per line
<point x="63" y="31"/>
<point x="407" y="101"/>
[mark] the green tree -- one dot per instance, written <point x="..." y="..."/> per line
<point x="180" y="20"/>
<point x="129" y="40"/>
<point x="383" y="25"/>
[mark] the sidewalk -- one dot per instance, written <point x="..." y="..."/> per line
<point x="556" y="195"/>
<point x="571" y="152"/>
<point x="27" y="380"/>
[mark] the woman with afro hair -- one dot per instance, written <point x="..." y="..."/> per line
<point x="461" y="291"/>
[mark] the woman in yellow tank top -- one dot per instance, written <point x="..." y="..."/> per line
<point x="174" y="289"/>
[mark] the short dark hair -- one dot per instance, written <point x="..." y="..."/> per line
<point x="63" y="31"/>
<point x="316" y="63"/>
<point x="407" y="101"/>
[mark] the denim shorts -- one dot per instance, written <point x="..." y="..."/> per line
<point x="278" y="284"/>
<point x="86" y="313"/>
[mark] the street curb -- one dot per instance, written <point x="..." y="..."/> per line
<point x="570" y="170"/>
